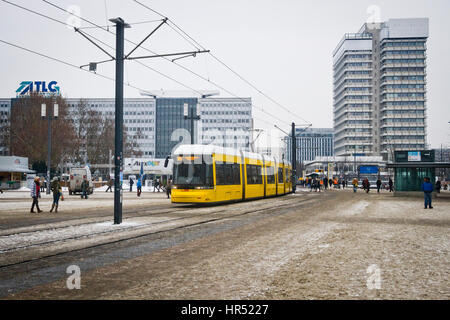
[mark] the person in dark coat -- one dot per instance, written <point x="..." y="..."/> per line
<point x="330" y="182"/>
<point x="366" y="185"/>
<point x="84" y="189"/>
<point x="169" y="188"/>
<point x="438" y="186"/>
<point x="35" y="192"/>
<point x="378" y="185"/>
<point x="427" y="188"/>
<point x="325" y="183"/>
<point x="109" y="184"/>
<point x="391" y="185"/>
<point x="131" y="185"/>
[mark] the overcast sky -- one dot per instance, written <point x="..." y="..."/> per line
<point x="283" y="47"/>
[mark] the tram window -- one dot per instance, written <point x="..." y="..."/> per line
<point x="228" y="174"/>
<point x="253" y="174"/>
<point x="270" y="174"/>
<point x="236" y="173"/>
<point x="186" y="174"/>
<point x="280" y="175"/>
<point x="288" y="175"/>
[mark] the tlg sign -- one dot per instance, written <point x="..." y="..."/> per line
<point x="26" y="87"/>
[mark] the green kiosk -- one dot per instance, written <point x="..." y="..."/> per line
<point x="411" y="167"/>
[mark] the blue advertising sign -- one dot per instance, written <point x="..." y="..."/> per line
<point x="26" y="87"/>
<point x="368" y="169"/>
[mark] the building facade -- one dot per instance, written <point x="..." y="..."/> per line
<point x="379" y="100"/>
<point x="157" y="124"/>
<point x="5" y="113"/>
<point x="311" y="143"/>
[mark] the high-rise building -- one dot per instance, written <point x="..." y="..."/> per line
<point x="311" y="143"/>
<point x="380" y="88"/>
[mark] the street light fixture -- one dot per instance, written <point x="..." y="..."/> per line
<point x="49" y="117"/>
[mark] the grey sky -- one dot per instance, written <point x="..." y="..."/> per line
<point x="283" y="47"/>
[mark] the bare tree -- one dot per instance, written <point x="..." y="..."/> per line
<point x="28" y="131"/>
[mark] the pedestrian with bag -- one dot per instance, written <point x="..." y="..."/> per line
<point x="35" y="193"/>
<point x="427" y="188"/>
<point x="391" y="185"/>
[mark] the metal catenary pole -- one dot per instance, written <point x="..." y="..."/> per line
<point x="294" y="159"/>
<point x="118" y="138"/>
<point x="49" y="150"/>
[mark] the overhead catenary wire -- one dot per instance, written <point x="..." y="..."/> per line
<point x="63" y="62"/>
<point x="154" y="70"/>
<point x="98" y="74"/>
<point x="168" y="59"/>
<point x="190" y="39"/>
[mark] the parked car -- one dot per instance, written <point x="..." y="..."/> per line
<point x="77" y="175"/>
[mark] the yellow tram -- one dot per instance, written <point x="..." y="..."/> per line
<point x="212" y="174"/>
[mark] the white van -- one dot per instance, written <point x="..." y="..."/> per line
<point x="77" y="175"/>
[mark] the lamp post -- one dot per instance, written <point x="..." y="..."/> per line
<point x="49" y="117"/>
<point x="192" y="117"/>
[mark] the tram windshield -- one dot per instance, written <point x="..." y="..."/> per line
<point x="192" y="171"/>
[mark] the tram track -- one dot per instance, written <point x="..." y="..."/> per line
<point x="270" y="209"/>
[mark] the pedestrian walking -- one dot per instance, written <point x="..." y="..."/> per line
<point x="330" y="182"/>
<point x="131" y="184"/>
<point x="378" y="185"/>
<point x="427" y="188"/>
<point x="169" y="188"/>
<point x="355" y="184"/>
<point x="325" y="182"/>
<point x="391" y="185"/>
<point x="57" y="192"/>
<point x="41" y="185"/>
<point x="109" y="184"/>
<point x="139" y="187"/>
<point x="438" y="186"/>
<point x="156" y="185"/>
<point x="366" y="185"/>
<point x="343" y="184"/>
<point x="84" y="189"/>
<point x="35" y="192"/>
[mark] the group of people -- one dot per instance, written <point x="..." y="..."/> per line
<point x="156" y="186"/>
<point x="36" y="194"/>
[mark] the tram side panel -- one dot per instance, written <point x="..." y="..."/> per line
<point x="271" y="187"/>
<point x="280" y="179"/>
<point x="227" y="178"/>
<point x="254" y="185"/>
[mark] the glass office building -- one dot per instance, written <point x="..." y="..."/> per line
<point x="169" y="118"/>
<point x="311" y="143"/>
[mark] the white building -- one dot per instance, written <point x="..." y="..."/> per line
<point x="380" y="88"/>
